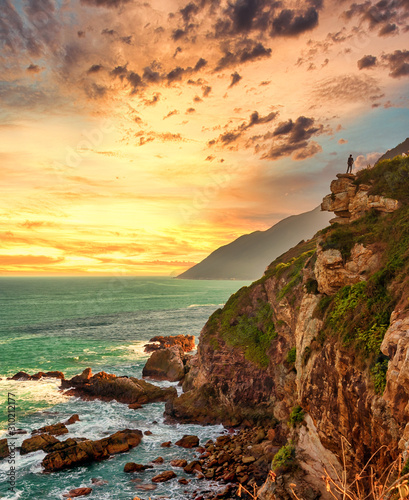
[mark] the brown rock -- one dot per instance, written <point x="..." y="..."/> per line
<point x="78" y="492"/>
<point x="133" y="467"/>
<point x="166" y="444"/>
<point x="43" y="442"/>
<point x="164" y="476"/>
<point x="4" y="449"/>
<point x="192" y="467"/>
<point x="72" y="455"/>
<point x="186" y="342"/>
<point x="148" y="433"/>
<point x="158" y="460"/>
<point x="165" y="364"/>
<point x="53" y="430"/>
<point x="178" y="463"/>
<point x="74" y="418"/>
<point x="135" y="406"/>
<point x="55" y="374"/>
<point x="188" y="441"/>
<point x="20" y="376"/>
<point x="183" y="480"/>
<point x="108" y="387"/>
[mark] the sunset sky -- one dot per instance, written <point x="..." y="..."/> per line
<point x="137" y="137"/>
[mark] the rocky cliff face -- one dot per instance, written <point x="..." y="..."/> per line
<point x="315" y="335"/>
<point x="349" y="202"/>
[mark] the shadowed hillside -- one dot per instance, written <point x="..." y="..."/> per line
<point x="247" y="257"/>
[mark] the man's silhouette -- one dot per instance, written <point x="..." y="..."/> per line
<point x="350" y="162"/>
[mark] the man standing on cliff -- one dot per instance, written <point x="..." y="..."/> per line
<point x="350" y="162"/>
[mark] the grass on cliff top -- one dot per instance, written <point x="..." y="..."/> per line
<point x="388" y="178"/>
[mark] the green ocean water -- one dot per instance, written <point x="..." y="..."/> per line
<point x="69" y="324"/>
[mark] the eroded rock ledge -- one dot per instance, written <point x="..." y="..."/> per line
<point x="350" y="201"/>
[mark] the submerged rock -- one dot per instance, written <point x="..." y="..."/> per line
<point x="79" y="453"/>
<point x="164" y="476"/>
<point x="78" y="492"/>
<point x="108" y="387"/>
<point x="74" y="418"/>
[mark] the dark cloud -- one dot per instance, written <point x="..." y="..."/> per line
<point x="367" y="62"/>
<point x="235" y="78"/>
<point x="120" y="71"/>
<point x="153" y="101"/>
<point x="398" y="63"/>
<point x="231" y="136"/>
<point x="206" y="90"/>
<point x="34" y="68"/>
<point x="106" y="31"/>
<point x="189" y="111"/>
<point x="175" y="74"/>
<point x="292" y="23"/>
<point x="126" y="39"/>
<point x="171" y="113"/>
<point x="111" y="4"/>
<point x="135" y="81"/>
<point x="384" y="15"/>
<point x="251" y="51"/>
<point x="189" y="11"/>
<point x="388" y="29"/>
<point x="151" y="76"/>
<point x="197" y="99"/>
<point x="95" y="91"/>
<point x="95" y="68"/>
<point x="201" y="63"/>
<point x="178" y="34"/>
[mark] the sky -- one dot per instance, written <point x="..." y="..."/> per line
<point x="138" y="137"/>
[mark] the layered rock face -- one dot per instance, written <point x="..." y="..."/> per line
<point x="349" y="201"/>
<point x="265" y="354"/>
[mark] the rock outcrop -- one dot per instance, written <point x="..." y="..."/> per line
<point x="186" y="342"/>
<point x="166" y="364"/>
<point x="108" y="387"/>
<point x="72" y="454"/>
<point x="4" y="449"/>
<point x="350" y="201"/>
<point x="43" y="442"/>
<point x="37" y="376"/>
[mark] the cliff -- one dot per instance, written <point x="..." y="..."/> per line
<point x="316" y="350"/>
<point x="247" y="257"/>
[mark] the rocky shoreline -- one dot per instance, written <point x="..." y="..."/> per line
<point x="237" y="457"/>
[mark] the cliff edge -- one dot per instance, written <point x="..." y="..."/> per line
<point x="316" y="350"/>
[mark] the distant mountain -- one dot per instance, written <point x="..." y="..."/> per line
<point x="403" y="147"/>
<point x="247" y="257"/>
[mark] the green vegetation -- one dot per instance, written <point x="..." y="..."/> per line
<point x="284" y="458"/>
<point x="389" y="178"/>
<point x="252" y="333"/>
<point x="379" y="376"/>
<point x="296" y="416"/>
<point x="291" y="355"/>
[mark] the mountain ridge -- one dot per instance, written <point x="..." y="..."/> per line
<point x="246" y="257"/>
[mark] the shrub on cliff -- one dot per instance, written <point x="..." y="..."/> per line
<point x="284" y="459"/>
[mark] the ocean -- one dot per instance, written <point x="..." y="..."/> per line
<point x="72" y="323"/>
